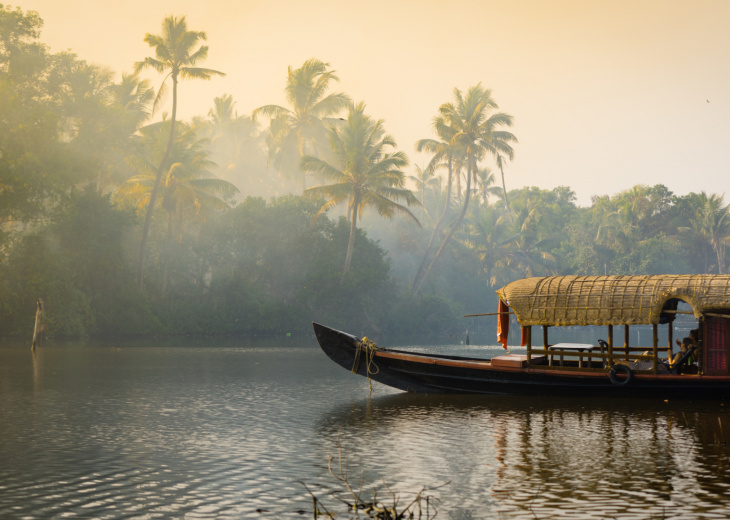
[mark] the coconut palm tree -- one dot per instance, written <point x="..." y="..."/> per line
<point x="529" y="253"/>
<point x="364" y="173"/>
<point x="135" y="96"/>
<point x="237" y="146"/>
<point x="500" y="164"/>
<point x="484" y="181"/>
<point x="177" y="57"/>
<point x="476" y="130"/>
<point x="424" y="179"/>
<point x="189" y="189"/>
<point x="302" y="129"/>
<point x="92" y="119"/>
<point x="710" y="224"/>
<point x="223" y="112"/>
<point x="445" y="155"/>
<point x="489" y="237"/>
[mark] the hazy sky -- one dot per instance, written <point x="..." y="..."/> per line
<point x="605" y="94"/>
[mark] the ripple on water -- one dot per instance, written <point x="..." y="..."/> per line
<point x="205" y="432"/>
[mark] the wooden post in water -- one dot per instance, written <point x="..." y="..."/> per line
<point x="39" y="328"/>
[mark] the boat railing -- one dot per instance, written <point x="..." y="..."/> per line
<point x="586" y="355"/>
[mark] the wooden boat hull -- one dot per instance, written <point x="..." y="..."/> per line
<point x="428" y="373"/>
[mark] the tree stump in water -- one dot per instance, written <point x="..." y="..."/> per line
<point x="38" y="330"/>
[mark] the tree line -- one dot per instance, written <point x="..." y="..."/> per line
<point x="128" y="223"/>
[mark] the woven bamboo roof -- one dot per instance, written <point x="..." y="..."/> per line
<point x="611" y="300"/>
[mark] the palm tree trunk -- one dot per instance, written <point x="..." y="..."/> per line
<point x="504" y="186"/>
<point x="423" y="201"/>
<point x="720" y="250"/>
<point x="350" y="242"/>
<point x="304" y="174"/>
<point x="451" y="232"/>
<point x="437" y="227"/>
<point x="166" y="258"/>
<point x="156" y="188"/>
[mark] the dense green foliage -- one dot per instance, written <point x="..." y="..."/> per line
<point x="235" y="246"/>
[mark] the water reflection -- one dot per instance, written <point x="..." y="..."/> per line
<point x="221" y="430"/>
<point x="526" y="458"/>
<point x="137" y="431"/>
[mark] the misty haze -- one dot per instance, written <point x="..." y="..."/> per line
<point x="185" y="188"/>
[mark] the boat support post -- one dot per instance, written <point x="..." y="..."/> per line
<point x="655" y="346"/>
<point x="610" y="345"/>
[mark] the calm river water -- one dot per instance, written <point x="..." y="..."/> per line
<point x="225" y="428"/>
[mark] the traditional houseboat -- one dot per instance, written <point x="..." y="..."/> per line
<point x="696" y="368"/>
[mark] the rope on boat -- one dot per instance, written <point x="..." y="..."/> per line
<point x="371" y="368"/>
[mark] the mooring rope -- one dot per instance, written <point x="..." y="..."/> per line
<point x="370" y="367"/>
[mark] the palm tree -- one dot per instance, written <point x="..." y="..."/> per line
<point x="302" y="130"/>
<point x="176" y="55"/>
<point x="711" y="224"/>
<point x="484" y="179"/>
<point x="488" y="236"/>
<point x="500" y="164"/>
<point x="364" y="173"/>
<point x="475" y="130"/>
<point x="189" y="188"/>
<point x="424" y="179"/>
<point x="93" y="120"/>
<point x="135" y="96"/>
<point x="224" y="112"/>
<point x="237" y="146"/>
<point x="445" y="155"/>
<point x="529" y="254"/>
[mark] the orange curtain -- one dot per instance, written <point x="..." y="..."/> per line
<point x="503" y="323"/>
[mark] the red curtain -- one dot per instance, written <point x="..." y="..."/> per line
<point x="503" y="323"/>
<point x="716" y="346"/>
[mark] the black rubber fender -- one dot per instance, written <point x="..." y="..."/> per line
<point x="620" y="368"/>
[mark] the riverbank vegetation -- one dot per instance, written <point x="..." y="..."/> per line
<point x="374" y="501"/>
<point x="125" y="220"/>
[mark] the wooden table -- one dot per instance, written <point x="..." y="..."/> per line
<point x="576" y="347"/>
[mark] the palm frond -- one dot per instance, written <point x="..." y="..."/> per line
<point x="200" y="55"/>
<point x="199" y="73"/>
<point x="331" y="104"/>
<point x="149" y="63"/>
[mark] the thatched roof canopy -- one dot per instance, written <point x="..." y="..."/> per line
<point x="611" y="300"/>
